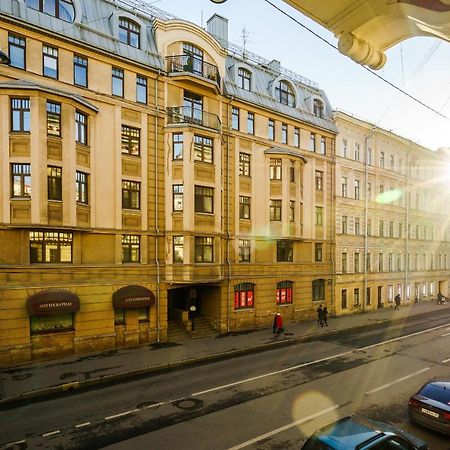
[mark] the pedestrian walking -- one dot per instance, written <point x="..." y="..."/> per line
<point x="319" y="315"/>
<point x="397" y="301"/>
<point x="274" y="325"/>
<point x="324" y="316"/>
<point x="278" y="323"/>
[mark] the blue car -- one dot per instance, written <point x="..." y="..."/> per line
<point x="359" y="433"/>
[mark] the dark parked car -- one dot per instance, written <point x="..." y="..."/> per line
<point x="359" y="433"/>
<point x="430" y="407"/>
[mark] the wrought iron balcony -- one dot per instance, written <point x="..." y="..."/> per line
<point x="187" y="114"/>
<point x="196" y="66"/>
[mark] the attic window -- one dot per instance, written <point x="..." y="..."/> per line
<point x="129" y="32"/>
<point x="61" y="9"/>
<point x="318" y="108"/>
<point x="284" y="93"/>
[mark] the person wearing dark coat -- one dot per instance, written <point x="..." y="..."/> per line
<point x="319" y="315"/>
<point x="324" y="316"/>
<point x="397" y="301"/>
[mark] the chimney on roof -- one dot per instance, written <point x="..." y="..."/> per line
<point x="275" y="65"/>
<point x="218" y="27"/>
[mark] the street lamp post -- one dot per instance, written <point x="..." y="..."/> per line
<point x="4" y="59"/>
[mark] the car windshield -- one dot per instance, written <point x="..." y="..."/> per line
<point x="436" y="392"/>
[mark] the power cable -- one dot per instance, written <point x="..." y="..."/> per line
<point x="364" y="67"/>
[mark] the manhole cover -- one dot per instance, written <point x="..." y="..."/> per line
<point x="189" y="403"/>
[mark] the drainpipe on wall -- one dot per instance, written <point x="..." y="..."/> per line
<point x="158" y="274"/>
<point x="407" y="224"/>
<point x="333" y="231"/>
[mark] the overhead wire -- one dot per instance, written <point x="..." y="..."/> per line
<point x="391" y="84"/>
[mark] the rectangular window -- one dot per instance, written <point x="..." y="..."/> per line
<point x="357" y="189"/>
<point x="178" y="249"/>
<point x="368" y="299"/>
<point x="119" y="316"/>
<point x="291" y="211"/>
<point x="50" y="61"/>
<point x="50" y="247"/>
<point x="391" y="162"/>
<point x="21" y="180"/>
<point x="285" y="251"/>
<point x="381" y="228"/>
<point x="296" y="137"/>
<point x="319" y="216"/>
<point x="382" y="159"/>
<point x="356" y="263"/>
<point x="271" y="130"/>
<point x="284" y="292"/>
<point x="117" y="81"/>
<point x="275" y="210"/>
<point x="318" y="290"/>
<point x="344" y="186"/>
<point x="204" y="199"/>
<point x="131" y="248"/>
<point x="284" y="133"/>
<point x="16" y="51"/>
<point x="177" y="145"/>
<point x="357" y="226"/>
<point x="250" y="123"/>
<point x="318" y="249"/>
<point x="204" y="249"/>
<point x="80" y="71"/>
<point x="131" y="194"/>
<point x="244" y="164"/>
<point x="177" y="197"/>
<point x="312" y="142"/>
<point x="203" y="149"/>
<point x="292" y="171"/>
<point x="54" y="182"/>
<point x="344" y="148"/>
<point x="356" y="298"/>
<point x="319" y="180"/>
<point x="369" y="156"/>
<point x="131" y="140"/>
<point x="368" y="264"/>
<point x="390" y="262"/>
<point x="323" y="145"/>
<point x="380" y="262"/>
<point x="141" y="89"/>
<point x="244" y="296"/>
<point x="244" y="207"/>
<point x="357" y="152"/>
<point x="391" y="229"/>
<point x="20" y="114"/>
<point x="81" y="188"/>
<point x="400" y="230"/>
<point x="344" y="262"/>
<point x="275" y="168"/>
<point x="244" y="250"/>
<point x="344" y="225"/>
<point x="41" y="325"/>
<point x="344" y="299"/>
<point x="53" y="119"/>
<point x="81" y="128"/>
<point x="369" y="227"/>
<point x="235" y="118"/>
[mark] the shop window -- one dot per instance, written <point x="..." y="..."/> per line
<point x="131" y="248"/>
<point x="203" y="149"/>
<point x="244" y="295"/>
<point x="17" y="51"/>
<point x="51" y="324"/>
<point x="318" y="290"/>
<point x="284" y="292"/>
<point x="131" y="140"/>
<point x="119" y="316"/>
<point x="143" y="314"/>
<point x="61" y="9"/>
<point x="80" y="71"/>
<point x="53" y="119"/>
<point x="131" y="195"/>
<point x="204" y="249"/>
<point x="54" y="183"/>
<point x="21" y="180"/>
<point x="129" y="32"/>
<point x="50" y="247"/>
<point x="20" y="114"/>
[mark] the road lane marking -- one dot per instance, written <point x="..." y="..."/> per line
<point x="403" y="337"/>
<point x="81" y="425"/>
<point x="51" y="433"/>
<point x="23" y="441"/>
<point x="446" y="334"/>
<point x="446" y="360"/>
<point x="115" y="416"/>
<point x="399" y="380"/>
<point x="287" y="369"/>
<point x="284" y="428"/>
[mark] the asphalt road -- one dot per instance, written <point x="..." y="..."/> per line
<point x="269" y="400"/>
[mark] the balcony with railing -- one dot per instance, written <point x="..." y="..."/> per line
<point x="194" y="116"/>
<point x="192" y="65"/>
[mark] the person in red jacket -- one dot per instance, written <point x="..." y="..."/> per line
<point x="278" y="323"/>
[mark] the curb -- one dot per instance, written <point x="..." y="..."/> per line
<point x="134" y="373"/>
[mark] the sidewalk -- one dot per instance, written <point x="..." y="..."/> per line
<point x="38" y="379"/>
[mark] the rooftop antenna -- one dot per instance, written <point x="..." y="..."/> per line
<point x="244" y="36"/>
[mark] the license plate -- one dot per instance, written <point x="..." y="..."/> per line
<point x="430" y="413"/>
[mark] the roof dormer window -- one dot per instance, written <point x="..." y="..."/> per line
<point x="318" y="108"/>
<point x="61" y="9"/>
<point x="284" y="93"/>
<point x="244" y="79"/>
<point x="129" y="32"/>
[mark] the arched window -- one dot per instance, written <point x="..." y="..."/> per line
<point x="193" y="58"/>
<point x="284" y="292"/>
<point x="285" y="93"/>
<point x="61" y="9"/>
<point x="318" y="107"/>
<point x="245" y="79"/>
<point x="244" y="295"/>
<point x="129" y="32"/>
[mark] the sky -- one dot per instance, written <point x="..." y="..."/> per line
<point x="420" y="66"/>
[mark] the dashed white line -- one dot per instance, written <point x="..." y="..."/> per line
<point x="23" y="441"/>
<point x="51" y="433"/>
<point x="446" y="334"/>
<point x="286" y="427"/>
<point x="397" y="381"/>
<point x="126" y="413"/>
<point x="446" y="360"/>
<point x="81" y="425"/>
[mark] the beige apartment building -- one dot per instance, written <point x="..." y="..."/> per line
<point x="392" y="230"/>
